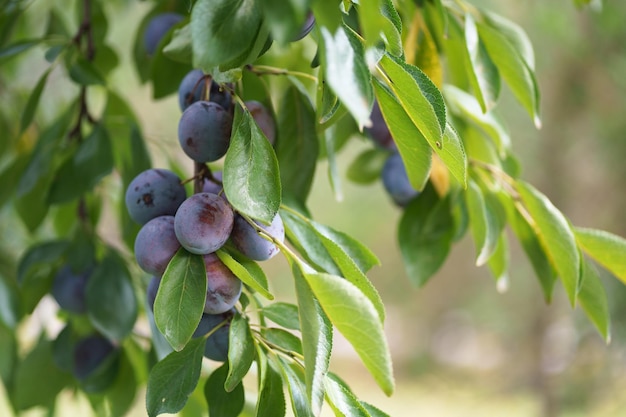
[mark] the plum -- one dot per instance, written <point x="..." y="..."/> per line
<point x="151" y="291"/>
<point x="157" y="27"/>
<point x="156" y="244"/>
<point x="154" y="193"/>
<point x="251" y="244"/>
<point x="193" y="87"/>
<point x="204" y="131"/>
<point x="216" y="347"/>
<point x="396" y="180"/>
<point x="89" y="353"/>
<point x="68" y="289"/>
<point x="203" y="223"/>
<point x="263" y="119"/>
<point x="223" y="287"/>
<point x="379" y="132"/>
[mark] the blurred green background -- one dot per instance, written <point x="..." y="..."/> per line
<point x="460" y="347"/>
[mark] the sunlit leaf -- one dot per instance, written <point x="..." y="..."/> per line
<point x="592" y="298"/>
<point x="240" y="351"/>
<point x="607" y="249"/>
<point x="247" y="271"/>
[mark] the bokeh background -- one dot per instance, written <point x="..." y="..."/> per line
<point x="460" y="347"/>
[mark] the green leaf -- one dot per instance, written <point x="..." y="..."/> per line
<point x="165" y="73"/>
<point x="425" y="234"/>
<point x="373" y="411"/>
<point x="16" y="48"/>
<point x="513" y="33"/>
<point x="180" y="300"/>
<point x="316" y="340"/>
<point x="294" y="376"/>
<point x="110" y="298"/>
<point x="346" y="72"/>
<point x="178" y="48"/>
<point x="8" y="355"/>
<point x="251" y="175"/>
<point x="392" y="28"/>
<point x="10" y="303"/>
<point x="217" y="35"/>
<point x="354" y="315"/>
<point x="297" y="145"/>
<point x="372" y="21"/>
<point x="84" y="72"/>
<point x="412" y="145"/>
<point x="607" y="249"/>
<point x="499" y="263"/>
<point x="173" y="379"/>
<point x="33" y="101"/>
<point x="92" y="161"/>
<point x="367" y="166"/>
<point x="283" y="314"/>
<point x="117" y="400"/>
<point x="223" y="403"/>
<point x="482" y="74"/>
<point x="342" y="400"/>
<point x="38" y="380"/>
<point x="284" y="339"/>
<point x="247" y="271"/>
<point x="271" y="402"/>
<point x="483" y="222"/>
<point x="466" y="106"/>
<point x="240" y="351"/>
<point x="285" y="18"/>
<point x="592" y="298"/>
<point x="556" y="236"/>
<point x="517" y="73"/>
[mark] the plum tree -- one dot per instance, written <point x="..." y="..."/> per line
<point x="158" y="26"/>
<point x="203" y="223"/>
<point x="223" y="287"/>
<point x="204" y="131"/>
<point x="250" y="243"/>
<point x="154" y="193"/>
<point x="396" y="181"/>
<point x="156" y="244"/>
<point x="193" y="88"/>
<point x="68" y="289"/>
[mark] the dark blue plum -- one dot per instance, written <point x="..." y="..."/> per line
<point x="154" y="193"/>
<point x="156" y="244"/>
<point x="89" y="354"/>
<point x="263" y="119"/>
<point x="216" y="347"/>
<point x="379" y="132"/>
<point x="68" y="289"/>
<point x="250" y="243"/>
<point x="157" y="27"/>
<point x="396" y="180"/>
<point x="151" y="291"/>
<point x="203" y="223"/>
<point x="204" y="131"/>
<point x="307" y="26"/>
<point x="193" y="88"/>
<point x="223" y="287"/>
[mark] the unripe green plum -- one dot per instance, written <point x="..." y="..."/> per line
<point x="203" y="223"/>
<point x="223" y="287"/>
<point x="204" y="131"/>
<point x="154" y="193"/>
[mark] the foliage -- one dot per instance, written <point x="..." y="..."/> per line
<point x="59" y="173"/>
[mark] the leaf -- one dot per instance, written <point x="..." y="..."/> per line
<point x="120" y="397"/>
<point x="556" y="236"/>
<point x="10" y="303"/>
<point x="514" y="34"/>
<point x="173" y="379"/>
<point x="372" y="22"/>
<point x="412" y="145"/>
<point x="285" y="18"/>
<point x="425" y="235"/>
<point x="465" y="105"/>
<point x="85" y="73"/>
<point x="592" y="298"/>
<point x="180" y="300"/>
<point x="217" y="35"/>
<point x="367" y="166"/>
<point x="271" y="402"/>
<point x="8" y="356"/>
<point x="283" y="314"/>
<point x="514" y="69"/>
<point x="342" y="400"/>
<point x="607" y="249"/>
<point x="483" y="222"/>
<point x="284" y="339"/>
<point x="373" y="411"/>
<point x="17" y="48"/>
<point x="240" y="351"/>
<point x="166" y="73"/>
<point x="316" y="340"/>
<point x="251" y="175"/>
<point x="297" y="145"/>
<point x="357" y="319"/>
<point x="294" y="376"/>
<point x="247" y="271"/>
<point x="482" y="74"/>
<point x="346" y="72"/>
<point x="499" y="263"/>
<point x="110" y="298"/>
<point x="33" y="101"/>
<point x="223" y="403"/>
<point x="92" y="161"/>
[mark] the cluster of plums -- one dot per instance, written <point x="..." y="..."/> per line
<point x="393" y="175"/>
<point x="205" y="221"/>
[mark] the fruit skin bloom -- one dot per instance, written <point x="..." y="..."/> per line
<point x="204" y="131"/>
